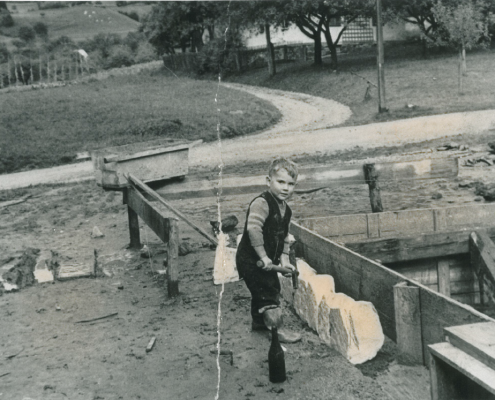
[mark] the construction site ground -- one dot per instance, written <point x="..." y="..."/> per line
<point x="48" y="352"/>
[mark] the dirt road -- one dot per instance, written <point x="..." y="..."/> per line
<point x="303" y="130"/>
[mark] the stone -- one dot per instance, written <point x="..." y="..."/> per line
<point x="185" y="249"/>
<point x="351" y="327"/>
<point x="436" y="196"/>
<point x="228" y="224"/>
<point x="75" y="270"/>
<point x="225" y="269"/>
<point x="41" y="272"/>
<point x="309" y="294"/>
<point x="145" y="252"/>
<point x="96" y="233"/>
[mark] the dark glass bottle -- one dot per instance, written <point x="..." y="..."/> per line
<point x="276" y="360"/>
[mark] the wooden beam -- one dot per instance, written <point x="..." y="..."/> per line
<point x="388" y="224"/>
<point x="371" y="178"/>
<point x="482" y="251"/>
<point x="408" y="324"/>
<point x="152" y="216"/>
<point x="417" y="247"/>
<point x="443" y="270"/>
<point x="173" y="259"/>
<point x="311" y="179"/>
<point x="133" y="220"/>
<point x="158" y="198"/>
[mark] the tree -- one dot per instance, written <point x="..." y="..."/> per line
<point x="260" y="17"/>
<point x="315" y="17"/>
<point x="182" y="23"/>
<point x="41" y="29"/>
<point x="462" y="26"/>
<point x="26" y="33"/>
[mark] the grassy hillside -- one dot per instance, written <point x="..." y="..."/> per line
<point x="428" y="86"/>
<point x="44" y="128"/>
<point x="79" y="22"/>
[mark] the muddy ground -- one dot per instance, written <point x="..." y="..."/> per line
<point x="47" y="353"/>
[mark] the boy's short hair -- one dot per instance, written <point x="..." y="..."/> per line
<point x="282" y="163"/>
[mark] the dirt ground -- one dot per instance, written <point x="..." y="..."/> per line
<point x="47" y="353"/>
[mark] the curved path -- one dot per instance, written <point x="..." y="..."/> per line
<point x="304" y="129"/>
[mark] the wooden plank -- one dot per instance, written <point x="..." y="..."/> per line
<point x="173" y="259"/>
<point x="405" y="223"/>
<point x="312" y="178"/>
<point x="408" y="324"/>
<point x="134" y="180"/>
<point x="438" y="312"/>
<point x="443" y="268"/>
<point x="151" y="215"/>
<point x="477" y="340"/>
<point x="467" y="366"/>
<point x="423" y="246"/>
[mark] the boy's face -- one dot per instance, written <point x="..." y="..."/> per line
<point x="281" y="184"/>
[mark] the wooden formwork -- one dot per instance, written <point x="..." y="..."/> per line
<point x="412" y="314"/>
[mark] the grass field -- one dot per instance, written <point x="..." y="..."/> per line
<point x="44" y="128"/>
<point x="430" y="85"/>
<point x="79" y="22"/>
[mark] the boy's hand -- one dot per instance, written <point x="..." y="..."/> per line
<point x="292" y="269"/>
<point x="267" y="264"/>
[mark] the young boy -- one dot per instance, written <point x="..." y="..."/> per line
<point x="266" y="239"/>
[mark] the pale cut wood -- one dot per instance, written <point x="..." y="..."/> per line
<point x="477" y="340"/>
<point x="444" y="277"/>
<point x="158" y="198"/>
<point x="408" y="324"/>
<point x="464" y="363"/>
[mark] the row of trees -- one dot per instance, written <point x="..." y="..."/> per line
<point x="462" y="24"/>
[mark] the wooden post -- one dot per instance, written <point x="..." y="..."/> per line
<point x="482" y="253"/>
<point x="382" y="103"/>
<point x="173" y="258"/>
<point x="408" y="324"/>
<point x="443" y="271"/>
<point x="133" y="224"/>
<point x="371" y="178"/>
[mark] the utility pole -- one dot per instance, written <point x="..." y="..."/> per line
<point x="382" y="107"/>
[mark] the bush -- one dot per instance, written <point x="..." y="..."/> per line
<point x="46" y="5"/>
<point x="6" y="20"/>
<point x="119" y="57"/>
<point x="217" y="56"/>
<point x="26" y="33"/>
<point x="41" y="29"/>
<point x="61" y="43"/>
<point x="145" y="53"/>
<point x="134" y="39"/>
<point x="103" y="42"/>
<point x="4" y="53"/>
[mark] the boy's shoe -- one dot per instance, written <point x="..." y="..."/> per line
<point x="255" y="326"/>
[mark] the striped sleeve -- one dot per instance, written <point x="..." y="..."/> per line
<point x="258" y="213"/>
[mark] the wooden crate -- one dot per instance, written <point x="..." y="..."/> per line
<point x="149" y="161"/>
